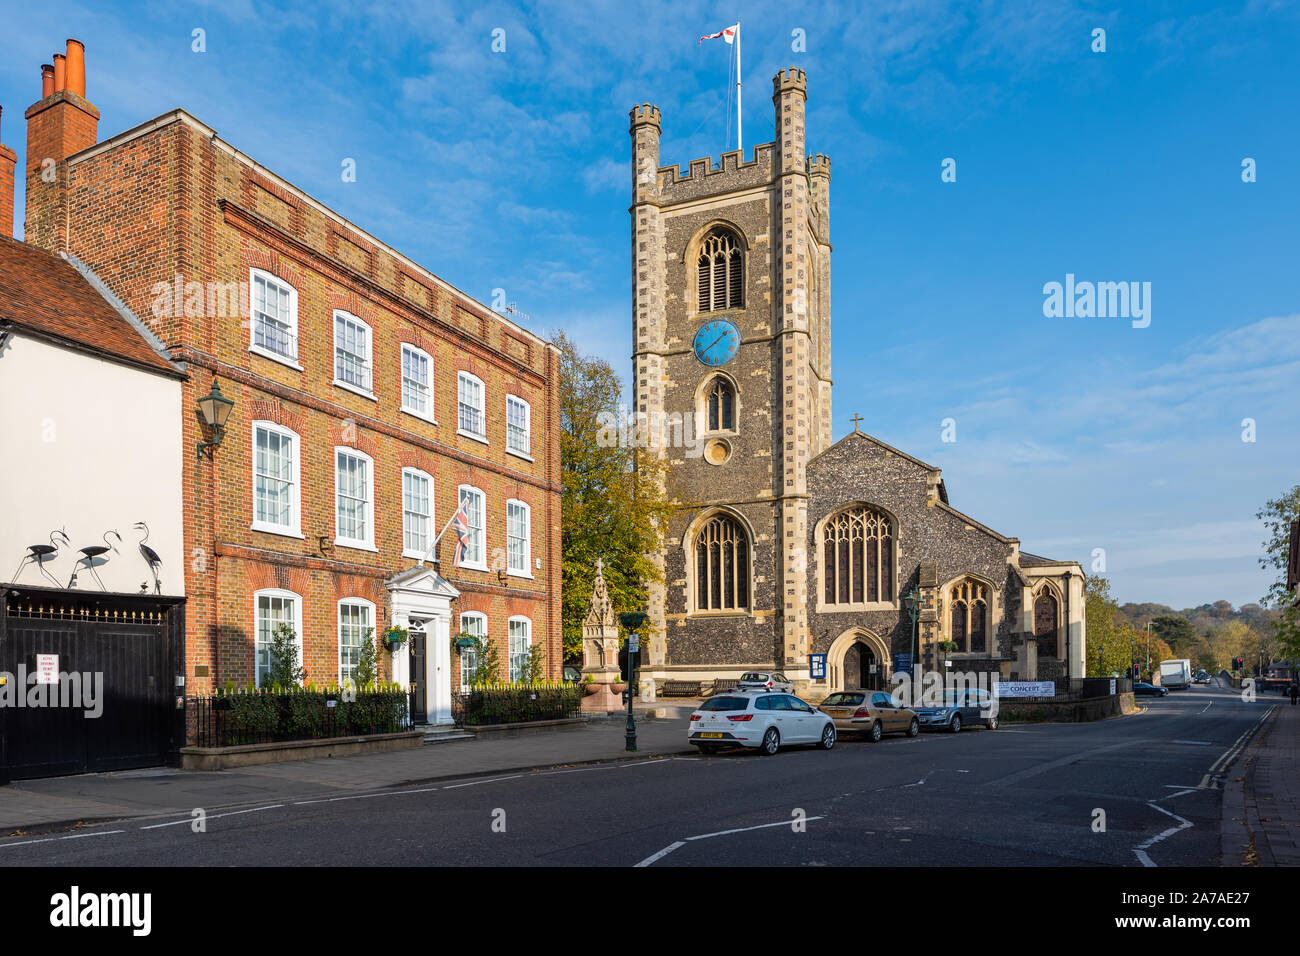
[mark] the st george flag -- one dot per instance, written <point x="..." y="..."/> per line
<point x="728" y="34"/>
<point x="460" y="524"/>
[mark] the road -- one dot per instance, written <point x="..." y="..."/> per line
<point x="1133" y="791"/>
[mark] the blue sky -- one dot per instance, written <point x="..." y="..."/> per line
<point x="510" y="170"/>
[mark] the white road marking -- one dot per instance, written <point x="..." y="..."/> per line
<point x="1207" y="707"/>
<point x="213" y="816"/>
<point x="475" y="783"/>
<point x="1141" y="849"/>
<point x="1231" y="753"/>
<point x="707" y="836"/>
<point x="74" y="836"/>
<point x="1195" y="743"/>
<point x="363" y="796"/>
<point x="549" y="773"/>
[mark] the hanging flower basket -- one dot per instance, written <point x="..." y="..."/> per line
<point x="395" y="637"/>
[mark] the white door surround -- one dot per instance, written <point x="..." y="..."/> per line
<point x="421" y="597"/>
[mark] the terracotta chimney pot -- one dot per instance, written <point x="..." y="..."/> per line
<point x="76" y="67"/>
<point x="60" y="72"/>
<point x="47" y="79"/>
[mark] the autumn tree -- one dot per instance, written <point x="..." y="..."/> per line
<point x="612" y="504"/>
<point x="1277" y="516"/>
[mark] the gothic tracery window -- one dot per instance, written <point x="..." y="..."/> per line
<point x="720" y="272"/>
<point x="1045" y="623"/>
<point x="857" y="557"/>
<point x="721" y="565"/>
<point x="969" y="616"/>
<point x="720" y="402"/>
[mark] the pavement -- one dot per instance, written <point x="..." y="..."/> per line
<point x="1261" y="801"/>
<point x="59" y="803"/>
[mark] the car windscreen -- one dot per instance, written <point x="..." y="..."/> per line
<point x="726" y="703"/>
<point x="753" y="676"/>
<point x="843" y="700"/>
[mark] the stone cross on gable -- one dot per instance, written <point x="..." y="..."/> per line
<point x="856" y="420"/>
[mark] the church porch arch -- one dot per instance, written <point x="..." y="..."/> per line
<point x="852" y="642"/>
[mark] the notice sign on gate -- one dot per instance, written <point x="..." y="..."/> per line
<point x="47" y="668"/>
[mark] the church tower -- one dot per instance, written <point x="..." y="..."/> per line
<point x="731" y="334"/>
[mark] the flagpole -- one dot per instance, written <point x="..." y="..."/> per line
<point x="740" y="143"/>
<point x="440" y="534"/>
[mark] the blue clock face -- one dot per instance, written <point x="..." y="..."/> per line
<point x="716" y="342"/>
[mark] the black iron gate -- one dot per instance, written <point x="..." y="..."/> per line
<point x="116" y="660"/>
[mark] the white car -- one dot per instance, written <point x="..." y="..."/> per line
<point x="762" y="680"/>
<point x="762" y="719"/>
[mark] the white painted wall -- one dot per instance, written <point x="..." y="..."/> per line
<point x="89" y="445"/>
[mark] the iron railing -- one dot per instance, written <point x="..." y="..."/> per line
<point x="516" y="704"/>
<point x="261" y="718"/>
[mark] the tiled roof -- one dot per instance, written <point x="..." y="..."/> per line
<point x="46" y="295"/>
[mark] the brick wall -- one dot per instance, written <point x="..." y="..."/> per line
<point x="168" y="206"/>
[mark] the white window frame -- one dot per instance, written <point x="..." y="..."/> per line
<point x="461" y="379"/>
<point x="520" y="572"/>
<point x="294" y="528"/>
<point x="429" y="415"/>
<point x="407" y="551"/>
<point x="338" y="627"/>
<point x="258" y="643"/>
<point x="467" y="672"/>
<point x="367" y="361"/>
<point x="512" y="656"/>
<point x="291" y="361"/>
<point x="481" y="563"/>
<point x="527" y="452"/>
<point x="362" y="544"/>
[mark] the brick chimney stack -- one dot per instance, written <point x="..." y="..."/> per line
<point x="60" y="124"/>
<point x="8" y="163"/>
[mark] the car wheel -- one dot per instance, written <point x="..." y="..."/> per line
<point x="876" y="731"/>
<point x="955" y="724"/>
<point x="828" y="737"/>
<point x="992" y="724"/>
<point x="771" y="742"/>
<point x="913" y="728"/>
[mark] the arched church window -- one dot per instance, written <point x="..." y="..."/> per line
<point x="857" y="557"/>
<point x="720" y="398"/>
<point x="969" y="600"/>
<point x="720" y="271"/>
<point x="1045" y="623"/>
<point x="722" y="565"/>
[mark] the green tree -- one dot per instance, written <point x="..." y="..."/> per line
<point x="367" y="671"/>
<point x="1277" y="516"/>
<point x="533" y="669"/>
<point x="285" y="670"/>
<point x="612" y="499"/>
<point x="487" y="661"/>
<point x="1176" y="631"/>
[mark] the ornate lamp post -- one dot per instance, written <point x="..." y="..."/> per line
<point x="632" y="620"/>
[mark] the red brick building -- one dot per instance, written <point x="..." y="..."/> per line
<point x="370" y="398"/>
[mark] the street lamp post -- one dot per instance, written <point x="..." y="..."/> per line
<point x="913" y="601"/>
<point x="632" y="621"/>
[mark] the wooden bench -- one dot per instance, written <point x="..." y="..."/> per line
<point x="680" y="688"/>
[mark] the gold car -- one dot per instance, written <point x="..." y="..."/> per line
<point x="871" y="712"/>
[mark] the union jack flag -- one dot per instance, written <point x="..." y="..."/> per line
<point x="460" y="524"/>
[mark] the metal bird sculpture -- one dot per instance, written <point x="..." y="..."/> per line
<point x="39" y="552"/>
<point x="90" y="554"/>
<point x="151" y="556"/>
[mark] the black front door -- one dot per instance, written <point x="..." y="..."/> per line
<point x="419" y="693"/>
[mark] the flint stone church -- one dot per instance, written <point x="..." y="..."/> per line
<point x="786" y="546"/>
